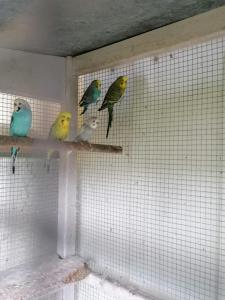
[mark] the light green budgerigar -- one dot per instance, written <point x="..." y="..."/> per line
<point x="113" y="95"/>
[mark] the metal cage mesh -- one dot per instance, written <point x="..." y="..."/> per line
<point x="155" y="215"/>
<point x="28" y="212"/>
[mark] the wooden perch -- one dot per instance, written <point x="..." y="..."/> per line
<point x="39" y="146"/>
<point x="41" y="278"/>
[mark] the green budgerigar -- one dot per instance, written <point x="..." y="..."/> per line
<point x="113" y="95"/>
<point x="91" y="95"/>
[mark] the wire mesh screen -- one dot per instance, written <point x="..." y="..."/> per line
<point x="28" y="212"/>
<point x="154" y="216"/>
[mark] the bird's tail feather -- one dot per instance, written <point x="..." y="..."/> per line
<point x="85" y="108"/>
<point x="48" y="160"/>
<point x="48" y="166"/>
<point x="110" y="110"/>
<point x="14" y="152"/>
<point x="104" y="106"/>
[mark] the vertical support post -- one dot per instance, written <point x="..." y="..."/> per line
<point x="67" y="182"/>
<point x="220" y="281"/>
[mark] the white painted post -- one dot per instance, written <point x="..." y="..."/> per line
<point x="67" y="183"/>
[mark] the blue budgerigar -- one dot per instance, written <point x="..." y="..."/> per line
<point x="20" y="125"/>
<point x="91" y="95"/>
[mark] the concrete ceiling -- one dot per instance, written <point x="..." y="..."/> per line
<point x="71" y="27"/>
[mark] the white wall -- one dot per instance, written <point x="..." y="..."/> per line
<point x="32" y="75"/>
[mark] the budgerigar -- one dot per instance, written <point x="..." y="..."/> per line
<point x="113" y="95"/>
<point x="91" y="95"/>
<point x="60" y="130"/>
<point x="87" y="130"/>
<point x="20" y="125"/>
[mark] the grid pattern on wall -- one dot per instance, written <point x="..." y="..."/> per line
<point x="155" y="216"/>
<point x="28" y="212"/>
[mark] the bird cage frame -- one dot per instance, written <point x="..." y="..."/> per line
<point x="184" y="33"/>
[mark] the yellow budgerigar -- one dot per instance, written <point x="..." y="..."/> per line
<point x="60" y="130"/>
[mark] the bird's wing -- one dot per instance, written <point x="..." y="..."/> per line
<point x="51" y="134"/>
<point x="12" y="119"/>
<point x="11" y="122"/>
<point x="86" y="96"/>
<point x="112" y="96"/>
<point x="107" y="97"/>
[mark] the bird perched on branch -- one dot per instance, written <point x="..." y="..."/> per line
<point x="113" y="95"/>
<point x="60" y="130"/>
<point x="91" y="95"/>
<point x="87" y="130"/>
<point x="20" y="124"/>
